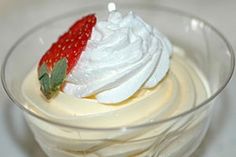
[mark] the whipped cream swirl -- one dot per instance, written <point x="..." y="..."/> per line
<point x="123" y="55"/>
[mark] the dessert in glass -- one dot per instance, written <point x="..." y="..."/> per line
<point x="143" y="82"/>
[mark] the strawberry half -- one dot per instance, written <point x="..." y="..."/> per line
<point x="63" y="55"/>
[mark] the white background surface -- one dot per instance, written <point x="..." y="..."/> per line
<point x="17" y="16"/>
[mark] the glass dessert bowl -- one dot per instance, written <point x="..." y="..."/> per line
<point x="201" y="66"/>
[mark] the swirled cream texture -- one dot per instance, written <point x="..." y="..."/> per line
<point x="123" y="55"/>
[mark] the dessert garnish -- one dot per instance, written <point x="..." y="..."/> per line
<point x="109" y="60"/>
<point x="63" y="55"/>
<point x="124" y="55"/>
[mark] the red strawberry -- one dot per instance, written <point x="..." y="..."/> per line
<point x="63" y="55"/>
<point x="71" y="44"/>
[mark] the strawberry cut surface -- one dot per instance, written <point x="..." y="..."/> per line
<point x="71" y="44"/>
<point x="63" y="55"/>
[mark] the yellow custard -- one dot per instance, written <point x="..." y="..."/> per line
<point x="180" y="90"/>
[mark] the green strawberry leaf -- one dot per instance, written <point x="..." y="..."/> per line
<point x="45" y="85"/>
<point x="58" y="74"/>
<point x="51" y="83"/>
<point x="42" y="71"/>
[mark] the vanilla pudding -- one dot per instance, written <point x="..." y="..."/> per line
<point x="182" y="89"/>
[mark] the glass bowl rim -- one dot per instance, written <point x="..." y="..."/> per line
<point x="128" y="127"/>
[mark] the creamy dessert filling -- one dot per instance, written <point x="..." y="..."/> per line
<point x="182" y="89"/>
